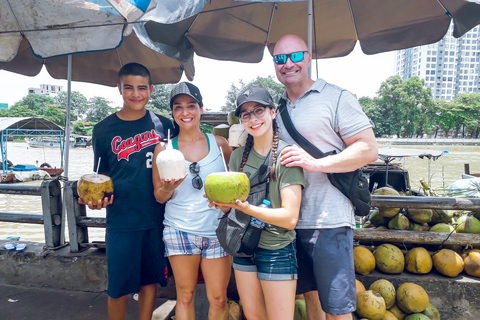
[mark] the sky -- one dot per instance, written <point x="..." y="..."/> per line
<point x="359" y="73"/>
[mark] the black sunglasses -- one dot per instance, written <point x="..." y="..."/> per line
<point x="294" y="56"/>
<point x="197" y="182"/>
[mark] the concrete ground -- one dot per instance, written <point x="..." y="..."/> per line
<point x="19" y="302"/>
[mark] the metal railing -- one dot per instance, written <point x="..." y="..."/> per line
<point x="50" y="193"/>
<point x="78" y="222"/>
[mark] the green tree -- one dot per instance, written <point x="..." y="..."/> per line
<point x="470" y="112"/>
<point x="79" y="128"/>
<point x="416" y="102"/>
<point x="54" y="113"/>
<point x="390" y="103"/>
<point x="78" y="103"/>
<point x="99" y="109"/>
<point x="37" y="103"/>
<point x="160" y="99"/>
<point x="274" y="88"/>
<point x="19" y="110"/>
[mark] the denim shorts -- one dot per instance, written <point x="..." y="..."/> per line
<point x="325" y="259"/>
<point x="186" y="244"/>
<point x="280" y="264"/>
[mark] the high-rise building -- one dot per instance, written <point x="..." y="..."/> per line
<point x="449" y="67"/>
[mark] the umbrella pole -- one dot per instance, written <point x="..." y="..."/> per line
<point x="309" y="35"/>
<point x="67" y="142"/>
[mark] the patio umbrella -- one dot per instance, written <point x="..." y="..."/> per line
<point x="80" y="40"/>
<point x="240" y="30"/>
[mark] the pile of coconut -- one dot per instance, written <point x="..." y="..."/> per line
<point x="434" y="220"/>
<point x="382" y="302"/>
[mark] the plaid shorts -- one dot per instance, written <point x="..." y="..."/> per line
<point x="183" y="243"/>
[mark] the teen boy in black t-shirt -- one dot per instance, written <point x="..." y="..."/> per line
<point x="124" y="143"/>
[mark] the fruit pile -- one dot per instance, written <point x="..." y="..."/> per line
<point x="382" y="302"/>
<point x="435" y="220"/>
<point x="388" y="258"/>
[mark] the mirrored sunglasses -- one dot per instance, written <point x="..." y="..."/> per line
<point x="294" y="56"/>
<point x="197" y="182"/>
<point x="258" y="112"/>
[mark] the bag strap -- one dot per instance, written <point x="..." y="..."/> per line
<point x="157" y="123"/>
<point x="301" y="140"/>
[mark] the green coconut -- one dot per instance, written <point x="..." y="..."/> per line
<point x="221" y="130"/>
<point x="300" y="310"/>
<point x="441" y="216"/>
<point x="399" y="222"/>
<point x="389" y="258"/>
<point x="468" y="224"/>
<point x="417" y="316"/>
<point x="442" y="227"/>
<point x="227" y="187"/>
<point x="431" y="312"/>
<point x="377" y="219"/>
<point x="420" y="215"/>
<point x="419" y="227"/>
<point x="387" y="191"/>
<point x="232" y="119"/>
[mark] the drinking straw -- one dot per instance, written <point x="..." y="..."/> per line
<point x="223" y="158"/>
<point x="168" y="139"/>
<point x="98" y="166"/>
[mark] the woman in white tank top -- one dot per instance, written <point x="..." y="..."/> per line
<point x="189" y="232"/>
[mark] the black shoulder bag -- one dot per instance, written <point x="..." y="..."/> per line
<point x="234" y="232"/>
<point x="352" y="184"/>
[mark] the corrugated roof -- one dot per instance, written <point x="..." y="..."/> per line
<point x="28" y="126"/>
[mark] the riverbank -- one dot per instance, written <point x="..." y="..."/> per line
<point x="429" y="141"/>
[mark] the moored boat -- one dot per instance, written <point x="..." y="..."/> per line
<point x="27" y="172"/>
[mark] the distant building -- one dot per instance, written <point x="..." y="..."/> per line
<point x="46" y="90"/>
<point x="449" y="67"/>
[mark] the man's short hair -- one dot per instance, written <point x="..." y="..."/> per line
<point x="134" y="69"/>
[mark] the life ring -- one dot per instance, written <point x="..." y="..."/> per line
<point x="45" y="165"/>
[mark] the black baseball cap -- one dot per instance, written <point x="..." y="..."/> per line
<point x="188" y="89"/>
<point x="253" y="94"/>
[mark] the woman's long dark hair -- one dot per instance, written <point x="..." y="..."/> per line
<point x="249" y="145"/>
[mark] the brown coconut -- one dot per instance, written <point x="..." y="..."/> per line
<point x="386" y="289"/>
<point x="360" y="287"/>
<point x="397" y="312"/>
<point x="472" y="264"/>
<point x="389" y="258"/>
<point x="387" y="191"/>
<point x="363" y="259"/>
<point x="412" y="298"/>
<point x="371" y="305"/>
<point x="418" y="260"/>
<point x="420" y="215"/>
<point x="468" y="224"/>
<point x="389" y="316"/>
<point x="93" y="187"/>
<point x="448" y="262"/>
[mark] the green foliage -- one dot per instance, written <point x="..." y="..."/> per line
<point x="79" y="128"/>
<point x="274" y="88"/>
<point x="78" y="103"/>
<point x="36" y="103"/>
<point x="99" y="109"/>
<point x="160" y="100"/>
<point x="55" y="114"/>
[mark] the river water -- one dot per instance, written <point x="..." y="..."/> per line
<point x="443" y="172"/>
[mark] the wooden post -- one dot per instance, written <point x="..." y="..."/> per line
<point x="467" y="168"/>
<point x="75" y="211"/>
<point x="51" y="193"/>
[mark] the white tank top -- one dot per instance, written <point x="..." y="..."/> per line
<point x="187" y="210"/>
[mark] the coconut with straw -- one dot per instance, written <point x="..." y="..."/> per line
<point x="94" y="186"/>
<point x="171" y="163"/>
<point x="227" y="187"/>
